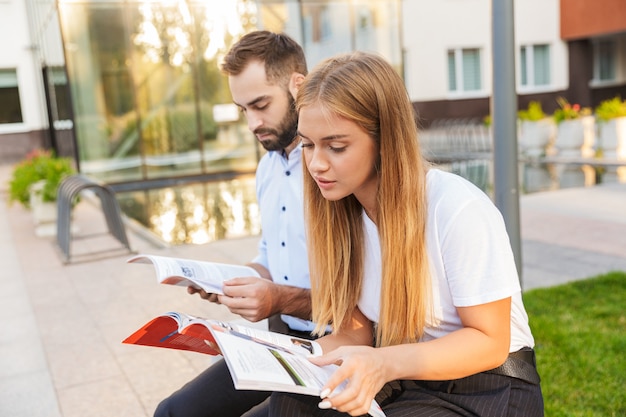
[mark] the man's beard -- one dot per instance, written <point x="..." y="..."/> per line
<point x="286" y="131"/>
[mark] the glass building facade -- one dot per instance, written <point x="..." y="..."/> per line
<point x="148" y="101"/>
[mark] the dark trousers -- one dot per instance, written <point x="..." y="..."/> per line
<point x="480" y="395"/>
<point x="212" y="394"/>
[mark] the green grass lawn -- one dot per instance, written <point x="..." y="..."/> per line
<point x="580" y="340"/>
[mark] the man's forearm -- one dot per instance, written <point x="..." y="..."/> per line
<point x="294" y="301"/>
<point x="263" y="272"/>
<point x="285" y="299"/>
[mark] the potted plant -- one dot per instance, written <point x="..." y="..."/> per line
<point x="35" y="180"/>
<point x="536" y="130"/>
<point x="574" y="134"/>
<point x="611" y="116"/>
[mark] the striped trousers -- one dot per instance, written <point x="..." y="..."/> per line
<point x="480" y="395"/>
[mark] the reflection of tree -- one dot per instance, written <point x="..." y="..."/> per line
<point x="177" y="31"/>
<point x="181" y="42"/>
<point x="182" y="33"/>
<point x="200" y="213"/>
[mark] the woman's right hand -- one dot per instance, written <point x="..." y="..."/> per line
<point x="364" y="370"/>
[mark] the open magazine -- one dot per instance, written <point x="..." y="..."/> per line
<point x="257" y="359"/>
<point x="181" y="331"/>
<point x="205" y="275"/>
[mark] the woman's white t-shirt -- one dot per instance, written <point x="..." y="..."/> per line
<point x="470" y="257"/>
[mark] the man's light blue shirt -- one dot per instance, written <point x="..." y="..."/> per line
<point x="282" y="248"/>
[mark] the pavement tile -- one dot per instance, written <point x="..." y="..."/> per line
<point x="21" y="356"/>
<point x="28" y="395"/>
<point x="102" y="398"/>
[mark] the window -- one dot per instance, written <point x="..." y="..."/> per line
<point x="317" y="23"/>
<point x="464" y="74"/>
<point x="60" y="90"/>
<point x="604" y="60"/>
<point x="10" y="106"/>
<point x="535" y="65"/>
<point x="364" y="18"/>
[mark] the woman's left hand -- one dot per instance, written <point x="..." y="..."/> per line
<point x="364" y="369"/>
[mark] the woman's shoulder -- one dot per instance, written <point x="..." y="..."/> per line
<point x="452" y="199"/>
<point x="442" y="184"/>
<point x="448" y="194"/>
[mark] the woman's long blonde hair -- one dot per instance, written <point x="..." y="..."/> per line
<point x="365" y="89"/>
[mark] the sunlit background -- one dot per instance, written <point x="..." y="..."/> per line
<point x="132" y="89"/>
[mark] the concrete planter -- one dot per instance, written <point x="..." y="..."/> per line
<point x="536" y="137"/>
<point x="44" y="212"/>
<point x="575" y="138"/>
<point x="612" y="138"/>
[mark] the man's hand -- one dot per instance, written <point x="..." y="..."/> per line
<point x="252" y="298"/>
<point x="256" y="299"/>
<point x="263" y="272"/>
<point x="203" y="294"/>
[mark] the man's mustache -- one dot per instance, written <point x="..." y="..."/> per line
<point x="264" y="132"/>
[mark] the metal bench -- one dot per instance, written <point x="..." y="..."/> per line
<point x="67" y="195"/>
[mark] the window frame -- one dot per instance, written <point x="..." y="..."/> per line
<point x="529" y="70"/>
<point x="10" y="126"/>
<point x="596" y="81"/>
<point x="460" y="91"/>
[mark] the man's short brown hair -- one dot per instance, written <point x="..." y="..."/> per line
<point x="280" y="54"/>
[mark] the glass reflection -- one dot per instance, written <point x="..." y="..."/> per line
<point x="332" y="27"/>
<point x="201" y="213"/>
<point x="196" y="213"/>
<point x="145" y="82"/>
<point x="537" y="176"/>
<point x="148" y="96"/>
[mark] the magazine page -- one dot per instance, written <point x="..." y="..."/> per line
<point x="278" y="341"/>
<point x="188" y="272"/>
<point x="258" y="366"/>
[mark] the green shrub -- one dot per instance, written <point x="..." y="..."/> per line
<point x="611" y="109"/>
<point x="37" y="166"/>
<point x="533" y="113"/>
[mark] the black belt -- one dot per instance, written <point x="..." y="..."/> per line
<point x="277" y="325"/>
<point x="301" y="334"/>
<point x="521" y="365"/>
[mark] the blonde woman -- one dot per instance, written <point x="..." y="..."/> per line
<point x="412" y="266"/>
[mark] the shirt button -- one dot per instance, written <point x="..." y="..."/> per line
<point x="283" y="208"/>
<point x="282" y="244"/>
<point x="287" y="173"/>
<point x="286" y="278"/>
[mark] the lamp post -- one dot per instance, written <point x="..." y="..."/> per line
<point x="504" y="114"/>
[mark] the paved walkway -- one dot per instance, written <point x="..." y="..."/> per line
<point x="60" y="347"/>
